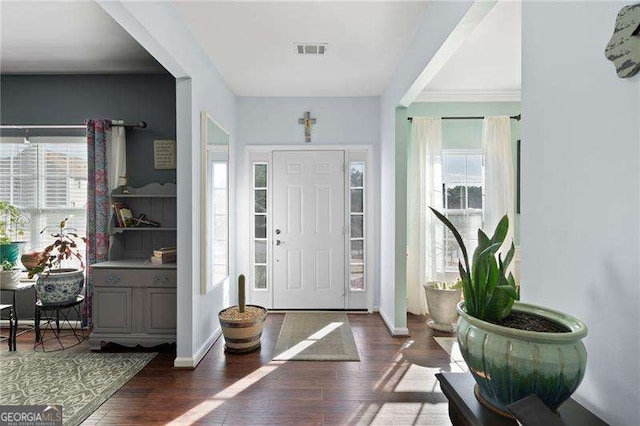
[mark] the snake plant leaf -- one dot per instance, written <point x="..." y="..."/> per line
<point x="501" y="230"/>
<point x="455" y="233"/>
<point x="511" y="291"/>
<point x="489" y="294"/>
<point x="509" y="257"/>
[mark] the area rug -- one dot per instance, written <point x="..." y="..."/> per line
<point x="79" y="382"/>
<point x="321" y="336"/>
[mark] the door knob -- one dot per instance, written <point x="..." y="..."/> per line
<point x="278" y="242"/>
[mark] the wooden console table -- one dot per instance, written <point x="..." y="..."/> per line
<point x="465" y="410"/>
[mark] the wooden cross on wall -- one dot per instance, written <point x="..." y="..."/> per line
<point x="307" y="121"/>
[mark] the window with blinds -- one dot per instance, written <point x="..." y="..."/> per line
<point x="47" y="180"/>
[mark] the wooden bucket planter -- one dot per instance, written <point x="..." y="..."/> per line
<point x="242" y="335"/>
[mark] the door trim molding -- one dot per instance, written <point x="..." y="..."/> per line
<point x="266" y="152"/>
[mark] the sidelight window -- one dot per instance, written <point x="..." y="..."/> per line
<point x="260" y="247"/>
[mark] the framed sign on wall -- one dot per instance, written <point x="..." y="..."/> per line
<point x="164" y="154"/>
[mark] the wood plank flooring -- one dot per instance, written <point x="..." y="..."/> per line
<point x="393" y="384"/>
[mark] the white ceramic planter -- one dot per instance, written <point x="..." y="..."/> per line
<point x="442" y="307"/>
<point x="10" y="280"/>
<point x="59" y="286"/>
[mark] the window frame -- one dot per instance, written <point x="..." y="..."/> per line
<point x="38" y="213"/>
<point x="465" y="212"/>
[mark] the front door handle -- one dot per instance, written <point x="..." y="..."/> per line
<point x="278" y="242"/>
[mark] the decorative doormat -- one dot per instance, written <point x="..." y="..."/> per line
<point x="80" y="382"/>
<point x="321" y="336"/>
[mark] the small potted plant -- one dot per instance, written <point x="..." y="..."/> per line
<point x="12" y="221"/>
<point x="57" y="285"/>
<point x="242" y="325"/>
<point x="442" y="301"/>
<point x="513" y="349"/>
<point x="9" y="275"/>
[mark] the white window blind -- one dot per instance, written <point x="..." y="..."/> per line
<point x="47" y="180"/>
<point x="463" y="201"/>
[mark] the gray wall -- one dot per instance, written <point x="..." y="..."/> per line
<point x="70" y="99"/>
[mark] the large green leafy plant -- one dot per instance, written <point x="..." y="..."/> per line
<point x="11" y="222"/>
<point x="488" y="291"/>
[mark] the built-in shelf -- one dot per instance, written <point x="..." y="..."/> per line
<point x="143" y="196"/>
<point x="142" y="228"/>
<point x="132" y="264"/>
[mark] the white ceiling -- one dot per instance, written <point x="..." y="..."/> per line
<point x="487" y="65"/>
<point x="252" y="44"/>
<point x="67" y="37"/>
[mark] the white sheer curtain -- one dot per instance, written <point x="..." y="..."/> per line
<point x="499" y="175"/>
<point x="424" y="190"/>
<point x="117" y="163"/>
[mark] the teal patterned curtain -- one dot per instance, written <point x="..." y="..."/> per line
<point x="98" y="204"/>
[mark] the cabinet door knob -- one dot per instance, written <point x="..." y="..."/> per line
<point x="156" y="278"/>
<point x="117" y="278"/>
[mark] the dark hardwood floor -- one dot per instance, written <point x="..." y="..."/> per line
<point x="393" y="384"/>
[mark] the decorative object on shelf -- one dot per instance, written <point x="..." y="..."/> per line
<point x="143" y="221"/>
<point x="125" y="183"/>
<point x="164" y="255"/>
<point x="623" y="48"/>
<point x="513" y="350"/>
<point x="12" y="221"/>
<point x="442" y="300"/>
<point x="242" y="325"/>
<point x="164" y="154"/>
<point x="57" y="285"/>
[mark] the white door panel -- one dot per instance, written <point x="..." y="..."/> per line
<point x="308" y="227"/>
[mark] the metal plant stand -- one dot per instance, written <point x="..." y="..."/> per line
<point x="53" y="324"/>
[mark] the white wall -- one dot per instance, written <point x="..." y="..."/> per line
<point x="580" y="225"/>
<point x="437" y="24"/>
<point x="274" y="121"/>
<point x="159" y="28"/>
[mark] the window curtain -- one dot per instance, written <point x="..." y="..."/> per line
<point x="499" y="175"/>
<point x="424" y="185"/>
<point x="117" y="163"/>
<point x="98" y="203"/>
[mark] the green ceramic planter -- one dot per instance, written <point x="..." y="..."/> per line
<point x="10" y="252"/>
<point x="509" y="364"/>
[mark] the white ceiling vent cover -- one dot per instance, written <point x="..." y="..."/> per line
<point x="311" y="48"/>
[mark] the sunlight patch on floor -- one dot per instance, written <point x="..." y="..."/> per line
<point x="206" y="407"/>
<point x="318" y="335"/>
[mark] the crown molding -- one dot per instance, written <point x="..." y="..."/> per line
<point x="469" y="96"/>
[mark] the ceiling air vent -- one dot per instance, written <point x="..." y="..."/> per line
<point x="311" y="48"/>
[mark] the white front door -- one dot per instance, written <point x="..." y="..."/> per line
<point x="308" y="230"/>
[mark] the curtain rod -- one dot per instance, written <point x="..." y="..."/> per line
<point x="513" y="117"/>
<point x="117" y="123"/>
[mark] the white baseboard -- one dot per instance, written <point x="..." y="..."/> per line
<point x="192" y="362"/>
<point x="393" y="330"/>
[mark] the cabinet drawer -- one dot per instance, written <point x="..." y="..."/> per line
<point x="158" y="277"/>
<point x="108" y="277"/>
